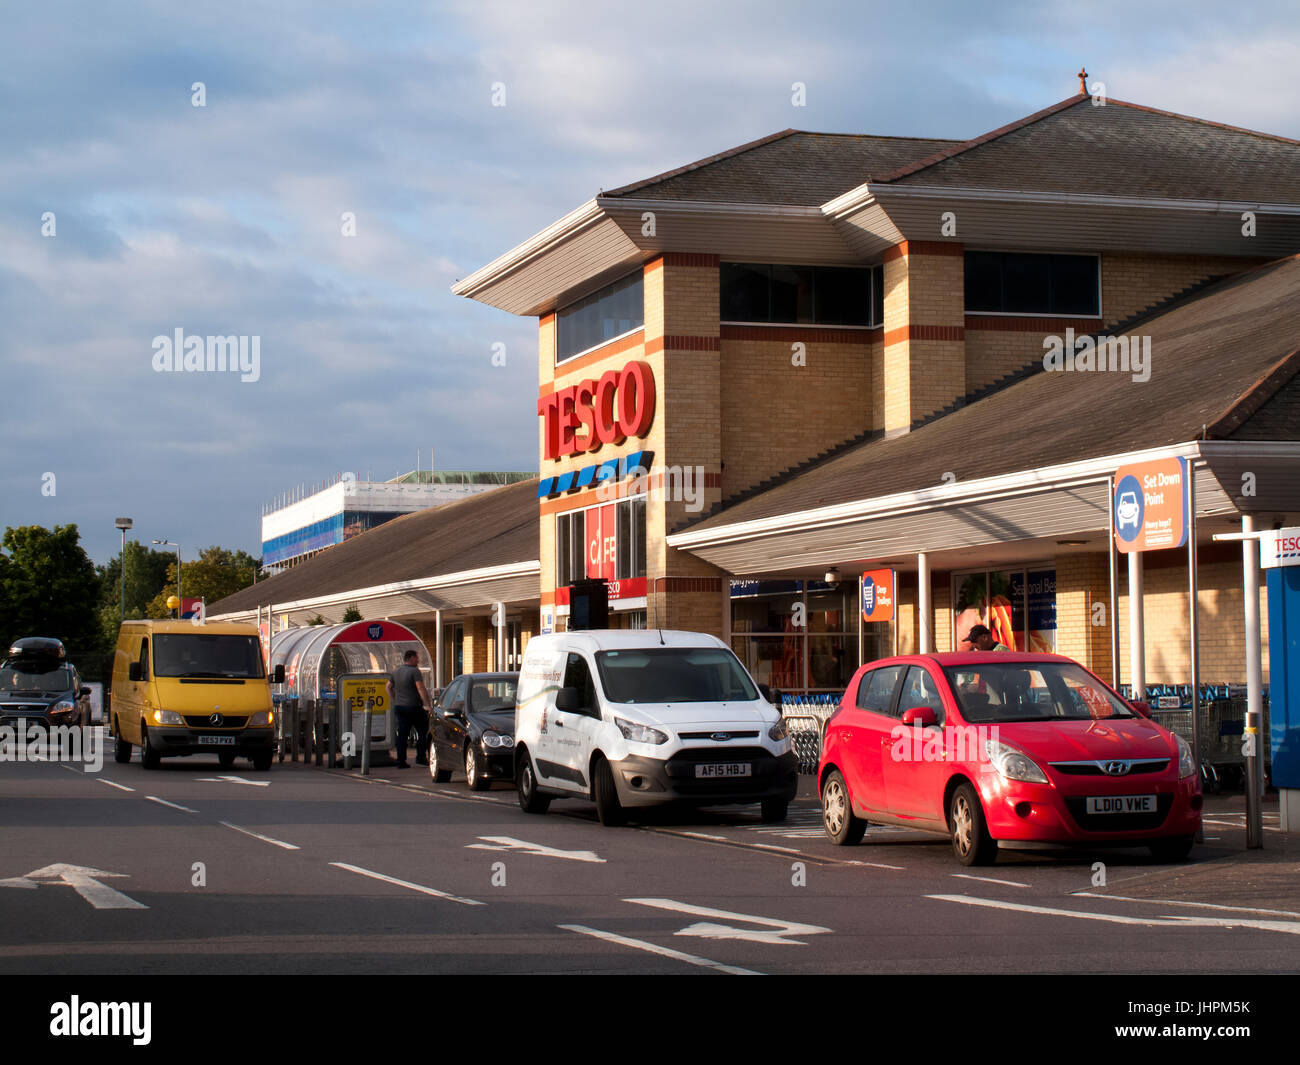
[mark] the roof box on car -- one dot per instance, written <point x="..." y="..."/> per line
<point x="37" y="647"/>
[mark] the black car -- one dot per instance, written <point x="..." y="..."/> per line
<point x="473" y="728"/>
<point x="40" y="688"/>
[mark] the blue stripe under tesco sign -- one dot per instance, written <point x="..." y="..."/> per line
<point x="610" y="470"/>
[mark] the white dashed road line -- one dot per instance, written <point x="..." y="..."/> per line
<point x="173" y="805"/>
<point x="990" y="880"/>
<point x="653" y="948"/>
<point x="406" y="884"/>
<point x="258" y="835"/>
<point x="114" y="784"/>
<point x="1196" y="905"/>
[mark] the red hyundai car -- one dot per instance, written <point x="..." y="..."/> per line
<point x="996" y="746"/>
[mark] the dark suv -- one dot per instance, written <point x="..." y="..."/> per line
<point x="40" y="687"/>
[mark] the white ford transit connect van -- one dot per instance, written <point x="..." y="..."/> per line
<point x="641" y="717"/>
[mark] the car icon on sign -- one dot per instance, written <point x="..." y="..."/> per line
<point x="1127" y="510"/>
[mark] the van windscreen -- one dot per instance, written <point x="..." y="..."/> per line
<point x="673" y="675"/>
<point x="202" y="654"/>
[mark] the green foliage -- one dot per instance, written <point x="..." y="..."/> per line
<point x="215" y="574"/>
<point x="317" y="620"/>
<point x="352" y="614"/>
<point x="48" y="587"/>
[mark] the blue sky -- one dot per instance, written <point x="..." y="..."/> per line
<point x="226" y="219"/>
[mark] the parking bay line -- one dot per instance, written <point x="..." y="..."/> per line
<point x="1198" y="905"/>
<point x="407" y="884"/>
<point x="258" y="835"/>
<point x="114" y="784"/>
<point x="173" y="805"/>
<point x="1290" y="927"/>
<point x="654" y="948"/>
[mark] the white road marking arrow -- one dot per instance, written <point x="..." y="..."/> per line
<point x="508" y="843"/>
<point x="779" y="930"/>
<point x="233" y="780"/>
<point x="84" y="881"/>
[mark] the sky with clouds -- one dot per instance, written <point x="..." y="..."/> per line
<point x="226" y="219"/>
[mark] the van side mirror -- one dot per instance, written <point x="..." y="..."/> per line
<point x="278" y="676"/>
<point x="133" y="671"/>
<point x="569" y="700"/>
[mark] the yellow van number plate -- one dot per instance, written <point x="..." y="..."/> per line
<point x="217" y="739"/>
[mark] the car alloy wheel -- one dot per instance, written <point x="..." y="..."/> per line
<point x="437" y="773"/>
<point x="971" y="842"/>
<point x="474" y="769"/>
<point x="838" y="819"/>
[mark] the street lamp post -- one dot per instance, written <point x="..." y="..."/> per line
<point x="123" y="524"/>
<point x="170" y="543"/>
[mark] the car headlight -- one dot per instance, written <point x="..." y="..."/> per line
<point x="497" y="739"/>
<point x="167" y="717"/>
<point x="1186" y="763"/>
<point x="1012" y="763"/>
<point x="640" y="733"/>
<point x="778" y="731"/>
<point x="262" y="719"/>
<point x="63" y="705"/>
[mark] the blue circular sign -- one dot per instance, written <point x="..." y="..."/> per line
<point x="375" y="632"/>
<point x="1129" y="508"/>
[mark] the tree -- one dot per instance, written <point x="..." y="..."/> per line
<point x="215" y="574"/>
<point x="352" y="614"/>
<point x="146" y="574"/>
<point x="48" y="587"/>
<point x="317" y="620"/>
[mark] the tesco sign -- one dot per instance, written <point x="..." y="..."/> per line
<point x="621" y="403"/>
<point x="1280" y="548"/>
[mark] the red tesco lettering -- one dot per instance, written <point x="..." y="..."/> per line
<point x="609" y="410"/>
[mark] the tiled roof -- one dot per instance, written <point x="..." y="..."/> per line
<point x="493" y="528"/>
<point x="1071" y="147"/>
<point x="1223" y="362"/>
<point x="1119" y="148"/>
<point x="791" y="167"/>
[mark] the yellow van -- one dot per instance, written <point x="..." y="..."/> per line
<point x="181" y="688"/>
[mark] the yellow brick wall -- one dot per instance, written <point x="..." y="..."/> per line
<point x="775" y="415"/>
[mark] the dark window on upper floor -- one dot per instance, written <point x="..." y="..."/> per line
<point x="1004" y="282"/>
<point x="614" y="310"/>
<point x="801" y="295"/>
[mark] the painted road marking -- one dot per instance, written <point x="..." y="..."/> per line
<point x="877" y="865"/>
<point x="234" y="780"/>
<point x="775" y="931"/>
<point x="173" y="805"/>
<point x="84" y="881"/>
<point x="114" y="784"/>
<point x="407" y="884"/>
<point x="508" y="843"/>
<point x="653" y="948"/>
<point x="1290" y="927"/>
<point x="1197" y="905"/>
<point x="258" y="835"/>
<point x="990" y="880"/>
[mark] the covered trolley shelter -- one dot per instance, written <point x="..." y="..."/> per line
<point x="317" y="657"/>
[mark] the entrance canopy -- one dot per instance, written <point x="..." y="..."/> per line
<point x="315" y="657"/>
